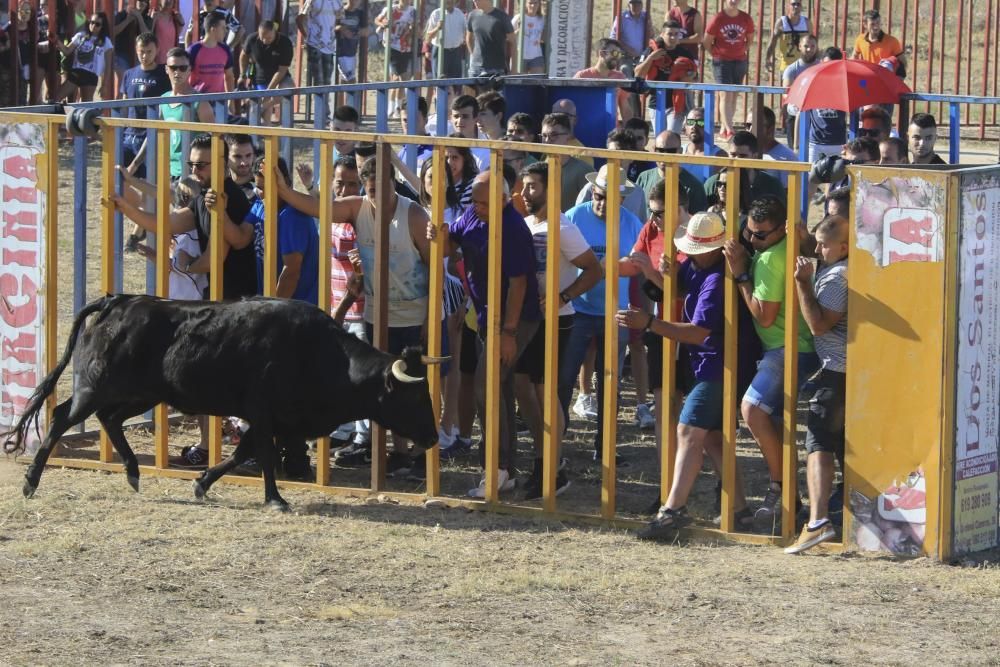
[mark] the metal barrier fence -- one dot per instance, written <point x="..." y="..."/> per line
<point x="158" y="132"/>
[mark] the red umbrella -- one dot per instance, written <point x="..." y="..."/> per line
<point x="845" y="85"/>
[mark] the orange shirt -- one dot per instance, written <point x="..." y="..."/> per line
<point x="873" y="52"/>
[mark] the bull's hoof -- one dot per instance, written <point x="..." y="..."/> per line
<point x="199" y="490"/>
<point x="28" y="489"/>
<point x="276" y="505"/>
<point x="133" y="481"/>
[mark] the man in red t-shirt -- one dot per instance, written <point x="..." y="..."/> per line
<point x="728" y="38"/>
<point x="609" y="58"/>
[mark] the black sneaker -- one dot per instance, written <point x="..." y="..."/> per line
<point x="767" y="518"/>
<point x="665" y="525"/>
<point x="743" y="520"/>
<point x="534" y="484"/>
<point x="398" y="464"/>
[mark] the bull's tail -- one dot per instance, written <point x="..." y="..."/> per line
<point x="14" y="440"/>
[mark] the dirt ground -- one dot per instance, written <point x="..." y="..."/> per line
<point x="94" y="573"/>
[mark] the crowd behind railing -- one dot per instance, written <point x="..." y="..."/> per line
<point x="694" y="250"/>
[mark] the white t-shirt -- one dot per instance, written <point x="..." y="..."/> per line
<point x="454" y="28"/>
<point x="571" y="245"/>
<point x="532" y="36"/>
<point x="186" y="286"/>
<point x="89" y="54"/>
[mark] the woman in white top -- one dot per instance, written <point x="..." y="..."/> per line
<point x="534" y="37"/>
<point x="89" y="54"/>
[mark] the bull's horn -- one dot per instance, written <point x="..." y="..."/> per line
<point x="399" y="372"/>
<point x="427" y="361"/>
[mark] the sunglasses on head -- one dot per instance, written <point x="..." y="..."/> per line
<point x="691" y="122"/>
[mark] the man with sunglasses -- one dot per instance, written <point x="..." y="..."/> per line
<point x="556" y="131"/>
<point x="785" y="37"/>
<point x="875" y="124"/>
<point x="754" y="183"/>
<point x="178" y="71"/>
<point x="670" y="143"/>
<point x="694" y="131"/>
<point x="610" y="53"/>
<point x="761" y="284"/>
<point x="239" y="270"/>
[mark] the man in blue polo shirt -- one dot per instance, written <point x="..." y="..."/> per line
<point x="588" y="322"/>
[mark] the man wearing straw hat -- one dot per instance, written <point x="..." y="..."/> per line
<point x="701" y="331"/>
<point x="588" y="322"/>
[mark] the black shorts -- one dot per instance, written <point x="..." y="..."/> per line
<point x="400" y="62"/>
<point x="82" y="78"/>
<point x="683" y="379"/>
<point x="453" y="65"/>
<point x="825" y="424"/>
<point x="532" y="361"/>
<point x="470" y="351"/>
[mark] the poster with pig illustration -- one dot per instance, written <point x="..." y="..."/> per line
<point x="900" y="219"/>
<point x="894" y="520"/>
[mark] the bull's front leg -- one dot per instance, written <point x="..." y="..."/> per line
<point x="244" y="450"/>
<point x="264" y="443"/>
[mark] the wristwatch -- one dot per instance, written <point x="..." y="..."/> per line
<point x="743" y="277"/>
<point x="565" y="298"/>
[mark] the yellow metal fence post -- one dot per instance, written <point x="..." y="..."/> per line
<point x="789" y="450"/>
<point x="325" y="189"/>
<point x="552" y="409"/>
<point x="271" y="155"/>
<point x="730" y="401"/>
<point x="51" y="327"/>
<point x="161" y="424"/>
<point x="218" y="179"/>
<point x="609" y="444"/>
<point x="107" y="243"/>
<point x="667" y="412"/>
<point x="434" y="310"/>
<point x="492" y="351"/>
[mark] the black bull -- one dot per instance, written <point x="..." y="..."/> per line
<point x="284" y="366"/>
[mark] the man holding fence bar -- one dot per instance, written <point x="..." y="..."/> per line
<point x="761" y="284"/>
<point x="823" y="301"/>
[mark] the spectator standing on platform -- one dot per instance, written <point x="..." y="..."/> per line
<point x="351" y="29"/>
<point x="922" y="134"/>
<point x="609" y="60"/>
<point x="234" y="30"/>
<point x="212" y="59"/>
<point x="490" y="40"/>
<point x="317" y="25"/>
<point x="534" y="37"/>
<point x="452" y="33"/>
<point x="167" y="26"/>
<point x="691" y="22"/>
<point x="663" y="52"/>
<point x="399" y="26"/>
<point x="147" y="79"/>
<point x="129" y="24"/>
<point x="808" y="49"/>
<point x="824" y="308"/>
<point x="875" y="45"/>
<point x="785" y="37"/>
<point x="728" y="38"/>
<point x="264" y="61"/>
<point x="635" y="31"/>
<point x="89" y="54"/>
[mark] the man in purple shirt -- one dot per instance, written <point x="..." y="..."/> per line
<point x="519" y="308"/>
<point x="701" y="333"/>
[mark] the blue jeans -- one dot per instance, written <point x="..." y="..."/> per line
<point x="767" y="389"/>
<point x="587" y="328"/>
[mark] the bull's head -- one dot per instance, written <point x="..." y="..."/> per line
<point x="406" y="402"/>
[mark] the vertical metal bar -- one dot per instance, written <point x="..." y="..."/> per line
<point x="986" y="68"/>
<point x="107" y="240"/>
<point x="381" y="111"/>
<point x="493" y="325"/>
<point x="439" y="184"/>
<point x="667" y="410"/>
<point x="968" y="55"/>
<point x="318" y="125"/>
<point x="789" y="456"/>
<point x="944" y="32"/>
<point x="612" y="216"/>
<point x="710" y="123"/>
<point x="79" y="223"/>
<point x="441" y="102"/>
<point x="803" y="139"/>
<point x="325" y="176"/>
<point x="915" y="61"/>
<point x="552" y="411"/>
<point x="836" y="28"/>
<point x="287" y="120"/>
<point x="730" y="401"/>
<point x="903" y="24"/>
<point x="996" y="52"/>
<point x="215" y="287"/>
<point x="411" y="127"/>
<point x="51" y="330"/>
<point x="270" y="216"/>
<point x="118" y="252"/>
<point x="954" y="132"/>
<point x="524" y="29"/>
<point x="161" y="137"/>
<point x="380" y="280"/>
<point x="660" y="119"/>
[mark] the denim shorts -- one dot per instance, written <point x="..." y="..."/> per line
<point x="703" y="406"/>
<point x="731" y="72"/>
<point x="767" y="389"/>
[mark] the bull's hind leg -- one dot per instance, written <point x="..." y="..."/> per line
<point x="264" y="442"/>
<point x="242" y="452"/>
<point x="111" y="419"/>
<point x="71" y="411"/>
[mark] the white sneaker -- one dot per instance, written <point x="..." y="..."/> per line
<point x="504" y="483"/>
<point x="585" y="406"/>
<point x="644" y="417"/>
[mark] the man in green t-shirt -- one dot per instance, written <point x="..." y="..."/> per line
<point x="761" y="283"/>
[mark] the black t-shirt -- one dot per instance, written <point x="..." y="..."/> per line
<point x="937" y="159"/>
<point x="239" y="272"/>
<point x="267" y="58"/>
<point x="490" y="30"/>
<point x="136" y="83"/>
